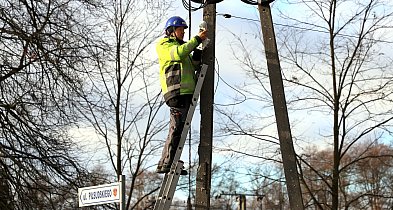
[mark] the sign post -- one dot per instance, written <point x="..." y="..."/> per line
<point x="101" y="194"/>
<point x="122" y="192"/>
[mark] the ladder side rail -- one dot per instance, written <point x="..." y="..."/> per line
<point x="169" y="183"/>
<point x="190" y="113"/>
<point x="162" y="190"/>
<point x="168" y="188"/>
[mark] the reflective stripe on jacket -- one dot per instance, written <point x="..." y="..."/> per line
<point x="177" y="72"/>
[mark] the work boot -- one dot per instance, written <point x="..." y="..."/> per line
<point x="163" y="169"/>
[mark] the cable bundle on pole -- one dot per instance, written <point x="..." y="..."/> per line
<point x="188" y="6"/>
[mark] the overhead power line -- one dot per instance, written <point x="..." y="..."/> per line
<point x="225" y="15"/>
<point x="253" y="2"/>
<point x="250" y="2"/>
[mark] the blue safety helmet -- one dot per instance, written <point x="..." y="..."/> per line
<point x="175" y="21"/>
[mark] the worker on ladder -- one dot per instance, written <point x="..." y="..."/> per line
<point x="178" y="60"/>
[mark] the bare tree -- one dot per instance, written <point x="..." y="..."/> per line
<point x="374" y="170"/>
<point x="6" y="197"/>
<point x="363" y="180"/>
<point x="268" y="187"/>
<point x="337" y="75"/>
<point x="350" y="82"/>
<point x="42" y="53"/>
<point x="123" y="100"/>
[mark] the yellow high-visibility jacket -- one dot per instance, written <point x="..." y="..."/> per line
<point x="177" y="71"/>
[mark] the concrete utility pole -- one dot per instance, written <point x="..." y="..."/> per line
<point x="280" y="107"/>
<point x="203" y="179"/>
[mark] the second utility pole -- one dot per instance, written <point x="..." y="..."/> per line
<point x="203" y="179"/>
<point x="280" y="107"/>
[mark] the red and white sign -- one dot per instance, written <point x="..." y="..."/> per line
<point x="99" y="194"/>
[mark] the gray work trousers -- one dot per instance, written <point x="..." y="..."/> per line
<point x="178" y="115"/>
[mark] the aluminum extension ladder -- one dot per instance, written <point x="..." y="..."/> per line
<point x="168" y="186"/>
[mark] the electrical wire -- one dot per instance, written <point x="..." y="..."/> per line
<point x="189" y="19"/>
<point x="217" y="70"/>
<point x="189" y="167"/>
<point x="256" y="2"/>
<point x="189" y="131"/>
<point x="250" y="2"/>
<point x="226" y="15"/>
<point x="189" y="7"/>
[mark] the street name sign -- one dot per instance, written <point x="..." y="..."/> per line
<point x="100" y="194"/>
